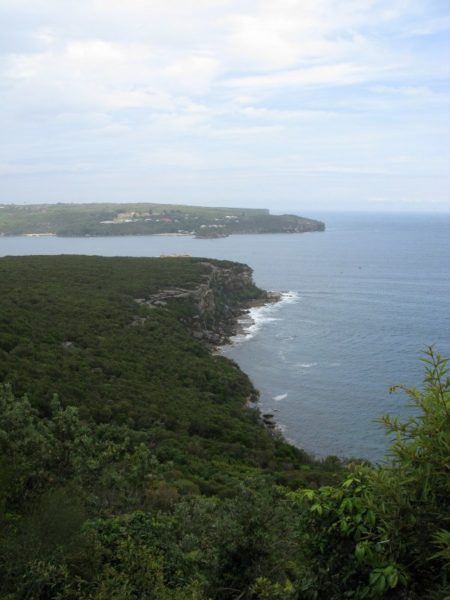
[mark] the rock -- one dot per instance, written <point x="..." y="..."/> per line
<point x="225" y="293"/>
<point x="138" y="321"/>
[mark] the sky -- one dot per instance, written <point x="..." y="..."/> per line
<point x="292" y="105"/>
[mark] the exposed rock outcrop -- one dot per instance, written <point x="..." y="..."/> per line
<point x="217" y="303"/>
<point x="214" y="307"/>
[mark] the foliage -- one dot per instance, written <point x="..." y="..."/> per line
<point x="384" y="531"/>
<point x="131" y="466"/>
<point x="68" y="327"/>
<point x="104" y="424"/>
<point x="66" y="485"/>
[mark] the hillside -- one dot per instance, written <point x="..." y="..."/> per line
<point x="145" y="219"/>
<point x="124" y="341"/>
<point x="134" y="463"/>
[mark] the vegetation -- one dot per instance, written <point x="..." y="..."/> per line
<point x="383" y="532"/>
<point x="132" y="467"/>
<point x="145" y="219"/>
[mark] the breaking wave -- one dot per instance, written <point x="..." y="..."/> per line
<point x="258" y="316"/>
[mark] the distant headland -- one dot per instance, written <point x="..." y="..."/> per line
<point x="106" y="219"/>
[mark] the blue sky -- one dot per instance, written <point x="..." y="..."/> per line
<point x="293" y="105"/>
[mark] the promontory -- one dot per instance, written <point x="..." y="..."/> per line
<point x="101" y="219"/>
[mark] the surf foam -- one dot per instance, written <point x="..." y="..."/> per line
<point x="258" y="316"/>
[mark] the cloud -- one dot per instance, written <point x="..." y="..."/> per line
<point x="429" y="27"/>
<point x="83" y="75"/>
<point x="39" y="168"/>
<point x="267" y="114"/>
<point x="223" y="84"/>
<point x="192" y="74"/>
<point x="328" y="75"/>
<point x="173" y="157"/>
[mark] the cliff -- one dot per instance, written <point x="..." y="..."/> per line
<point x="227" y="290"/>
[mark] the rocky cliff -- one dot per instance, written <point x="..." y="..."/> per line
<point x="214" y="306"/>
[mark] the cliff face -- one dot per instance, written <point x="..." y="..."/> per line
<point x="215" y="305"/>
<point x="226" y="294"/>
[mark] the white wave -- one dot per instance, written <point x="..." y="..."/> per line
<point x="289" y="297"/>
<point x="306" y="365"/>
<point x="257" y="316"/>
<point x="280" y="397"/>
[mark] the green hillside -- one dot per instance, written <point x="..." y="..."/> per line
<point x="145" y="219"/>
<point x="134" y="464"/>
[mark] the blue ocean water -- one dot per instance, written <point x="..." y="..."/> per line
<point x="365" y="297"/>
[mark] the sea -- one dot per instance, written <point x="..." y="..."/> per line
<point x="361" y="302"/>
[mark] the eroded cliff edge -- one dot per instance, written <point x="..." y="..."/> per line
<point x="214" y="306"/>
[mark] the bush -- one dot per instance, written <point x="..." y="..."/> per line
<point x="383" y="531"/>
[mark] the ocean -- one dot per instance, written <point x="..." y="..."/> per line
<point x="361" y="301"/>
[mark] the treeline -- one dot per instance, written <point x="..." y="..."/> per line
<point x="132" y="467"/>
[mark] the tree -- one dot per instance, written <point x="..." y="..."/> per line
<point x="384" y="531"/>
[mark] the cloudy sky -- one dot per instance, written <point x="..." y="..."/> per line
<point x="299" y="105"/>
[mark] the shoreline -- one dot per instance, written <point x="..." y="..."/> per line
<point x="168" y="234"/>
<point x="272" y="297"/>
<point x="240" y="327"/>
<point x="233" y="325"/>
<point x="245" y="320"/>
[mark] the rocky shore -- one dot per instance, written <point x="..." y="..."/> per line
<point x="219" y="304"/>
<point x="227" y="293"/>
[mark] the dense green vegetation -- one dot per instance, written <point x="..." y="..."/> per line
<point x="132" y="467"/>
<point x="145" y="219"/>
<point x="72" y="326"/>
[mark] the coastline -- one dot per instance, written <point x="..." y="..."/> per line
<point x="242" y="331"/>
<point x="250" y="318"/>
<point x="163" y="234"/>
<point x="237" y="322"/>
<point x="245" y="319"/>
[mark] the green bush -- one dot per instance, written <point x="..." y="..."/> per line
<point x="384" y="531"/>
